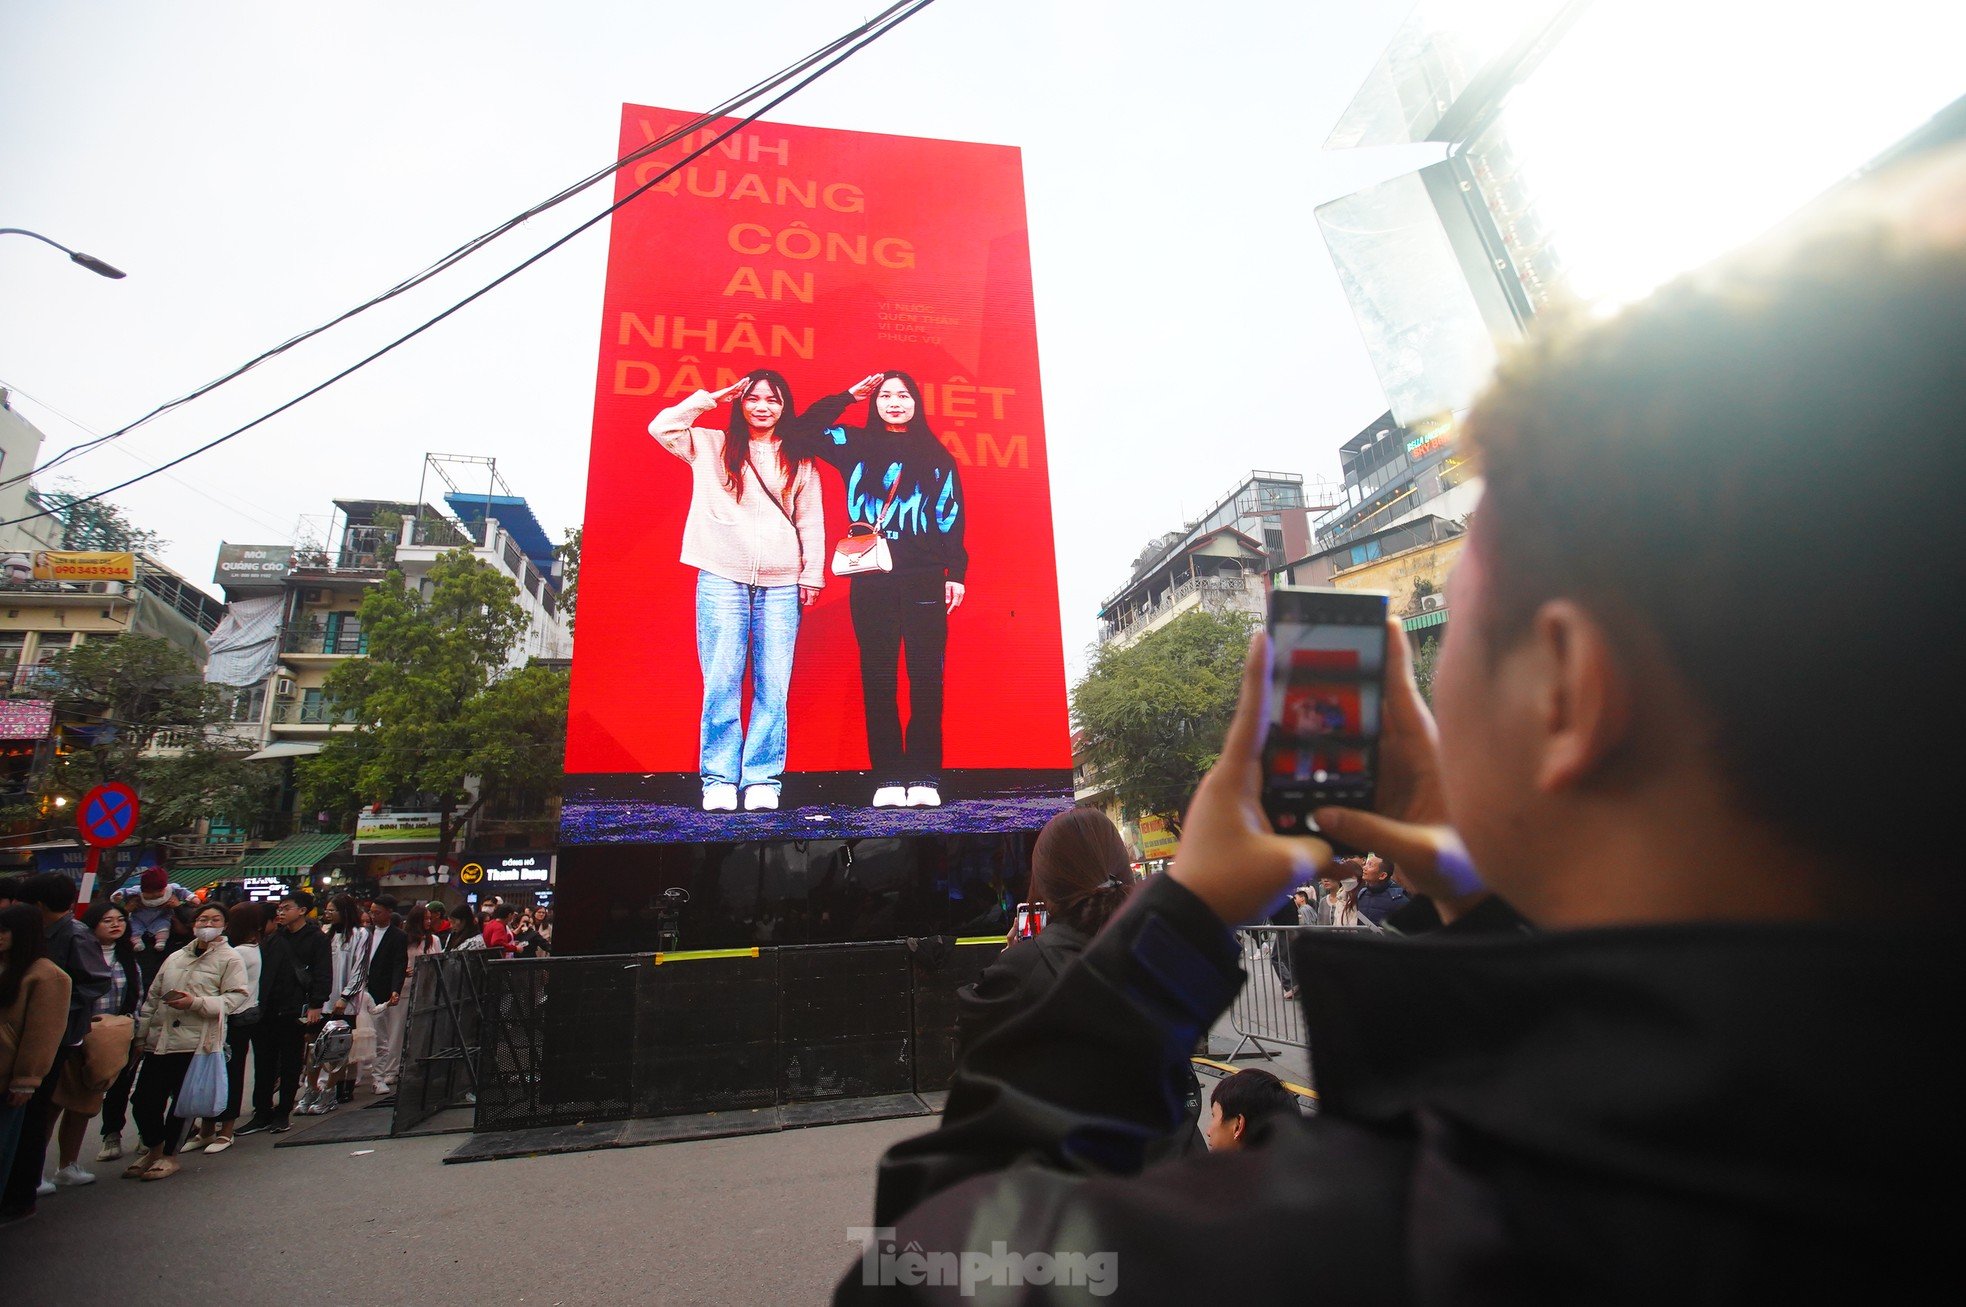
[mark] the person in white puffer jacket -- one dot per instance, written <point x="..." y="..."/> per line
<point x="184" y="1013"/>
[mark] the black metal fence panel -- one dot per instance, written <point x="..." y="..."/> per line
<point x="441" y="1037"/>
<point x="941" y="968"/>
<point x="845" y="1021"/>
<point x="597" y="1038"/>
<point x="706" y="1035"/>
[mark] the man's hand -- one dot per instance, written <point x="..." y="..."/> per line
<point x="1410" y="823"/>
<point x="310" y="1016"/>
<point x="1230" y="858"/>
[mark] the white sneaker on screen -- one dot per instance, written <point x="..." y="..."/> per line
<point x="720" y="797"/>
<point x="890" y="796"/>
<point x="758" y="797"/>
<point x="924" y="796"/>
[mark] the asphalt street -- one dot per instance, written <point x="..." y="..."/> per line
<point x="747" y="1220"/>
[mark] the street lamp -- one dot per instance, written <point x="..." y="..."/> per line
<point x="89" y="261"/>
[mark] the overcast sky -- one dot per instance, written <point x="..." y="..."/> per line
<point x="257" y="168"/>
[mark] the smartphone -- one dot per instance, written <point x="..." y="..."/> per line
<point x="1327" y="693"/>
<point x="1030" y="920"/>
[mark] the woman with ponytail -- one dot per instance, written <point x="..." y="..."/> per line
<point x="1081" y="874"/>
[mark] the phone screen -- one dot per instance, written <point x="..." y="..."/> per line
<point x="1328" y="672"/>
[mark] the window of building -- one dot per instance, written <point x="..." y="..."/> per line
<point x="345" y="634"/>
<point x="248" y="702"/>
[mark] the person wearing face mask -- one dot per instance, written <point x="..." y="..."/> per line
<point x="185" y="1012"/>
<point x="902" y="482"/>
<point x="243" y="922"/>
<point x="756" y="533"/>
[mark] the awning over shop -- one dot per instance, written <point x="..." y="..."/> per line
<point x="285" y="749"/>
<point x="191" y="877"/>
<point x="292" y="856"/>
<point x="1437" y="617"/>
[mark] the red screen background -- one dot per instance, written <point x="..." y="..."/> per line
<point x="960" y="320"/>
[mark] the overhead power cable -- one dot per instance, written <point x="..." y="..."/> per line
<point x="859" y="38"/>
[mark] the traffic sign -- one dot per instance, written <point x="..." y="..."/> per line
<point x="107" y="815"/>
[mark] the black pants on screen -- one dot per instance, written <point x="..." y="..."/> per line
<point x="897" y="615"/>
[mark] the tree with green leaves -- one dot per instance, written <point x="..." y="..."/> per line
<point x="1151" y="715"/>
<point x="94" y="524"/>
<point x="1425" y="656"/>
<point x="436" y="713"/>
<point x="569" y="556"/>
<point x="137" y="711"/>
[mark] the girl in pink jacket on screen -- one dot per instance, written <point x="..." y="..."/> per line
<point x="756" y="534"/>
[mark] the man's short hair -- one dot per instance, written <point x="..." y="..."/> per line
<point x="1756" y="472"/>
<point x="52" y="891"/>
<point x="1252" y="1094"/>
<point x="300" y="898"/>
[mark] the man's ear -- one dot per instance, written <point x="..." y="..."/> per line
<point x="1585" y="696"/>
<point x="1241" y="1124"/>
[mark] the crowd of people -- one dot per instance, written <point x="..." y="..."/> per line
<point x="146" y="1007"/>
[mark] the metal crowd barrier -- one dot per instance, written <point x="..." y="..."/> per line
<point x="1266" y="1010"/>
<point x="600" y="1037"/>
<point x="441" y="1037"/>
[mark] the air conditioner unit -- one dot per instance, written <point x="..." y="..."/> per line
<point x="1430" y="603"/>
<point x="283" y="688"/>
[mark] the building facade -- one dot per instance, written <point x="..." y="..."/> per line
<point x="1222" y="561"/>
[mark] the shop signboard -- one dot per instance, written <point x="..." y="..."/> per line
<point x="26" y="719"/>
<point x="266" y="889"/>
<point x="508" y="870"/>
<point x="248" y="565"/>
<point x="397" y="832"/>
<point x="68" y="565"/>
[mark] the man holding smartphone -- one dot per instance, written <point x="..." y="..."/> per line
<point x="1642" y="1096"/>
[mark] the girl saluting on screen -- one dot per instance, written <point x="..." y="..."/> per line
<point x="756" y="534"/>
<point x="900" y="480"/>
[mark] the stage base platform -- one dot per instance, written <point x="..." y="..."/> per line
<point x="638" y="1132"/>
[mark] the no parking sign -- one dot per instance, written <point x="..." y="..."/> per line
<point x="105" y="818"/>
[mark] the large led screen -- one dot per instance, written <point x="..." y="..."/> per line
<point x="818" y="597"/>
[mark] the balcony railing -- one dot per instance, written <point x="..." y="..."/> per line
<point x="315" y="640"/>
<point x="35" y="678"/>
<point x="316" y="713"/>
<point x="1217" y="593"/>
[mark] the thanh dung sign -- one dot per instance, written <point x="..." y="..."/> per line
<point x="511" y="870"/>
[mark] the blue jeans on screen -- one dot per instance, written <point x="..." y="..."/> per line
<point x="739" y="624"/>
